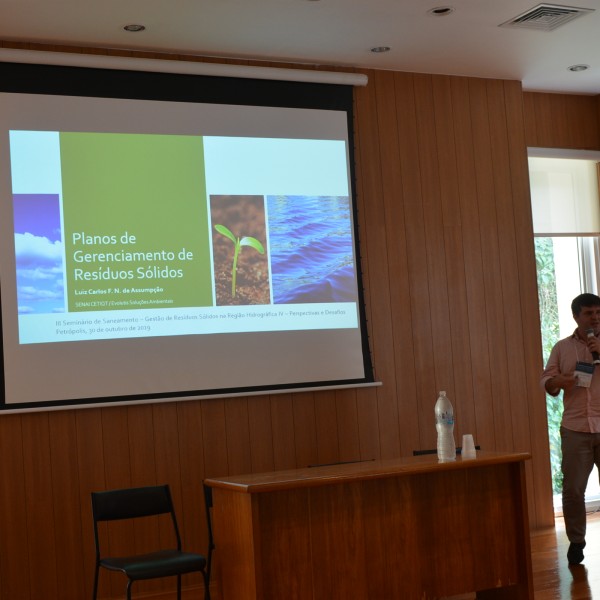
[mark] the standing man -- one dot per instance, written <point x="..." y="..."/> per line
<point x="571" y="368"/>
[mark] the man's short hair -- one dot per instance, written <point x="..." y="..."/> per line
<point x="584" y="300"/>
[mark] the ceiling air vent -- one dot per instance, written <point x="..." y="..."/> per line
<point x="546" y="17"/>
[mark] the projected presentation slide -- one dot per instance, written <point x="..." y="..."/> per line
<point x="155" y="249"/>
<point x="126" y="235"/>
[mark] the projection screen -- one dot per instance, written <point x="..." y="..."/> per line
<point x="175" y="236"/>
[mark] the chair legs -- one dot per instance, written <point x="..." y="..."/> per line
<point x="95" y="591"/>
<point x="130" y="583"/>
<point x="206" y="585"/>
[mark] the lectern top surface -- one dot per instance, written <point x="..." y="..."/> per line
<point x="353" y="471"/>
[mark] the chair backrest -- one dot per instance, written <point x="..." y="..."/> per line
<point x="131" y="503"/>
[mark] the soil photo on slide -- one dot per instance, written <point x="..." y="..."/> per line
<point x="239" y="217"/>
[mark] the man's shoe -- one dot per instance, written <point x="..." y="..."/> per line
<point x="575" y="553"/>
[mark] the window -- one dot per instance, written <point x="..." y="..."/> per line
<point x="566" y="216"/>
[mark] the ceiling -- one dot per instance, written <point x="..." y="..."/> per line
<point x="467" y="41"/>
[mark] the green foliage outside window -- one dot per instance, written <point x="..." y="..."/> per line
<point x="546" y="279"/>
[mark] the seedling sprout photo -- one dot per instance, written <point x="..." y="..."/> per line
<point x="241" y="266"/>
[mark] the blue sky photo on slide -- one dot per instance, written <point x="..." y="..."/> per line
<point x="39" y="253"/>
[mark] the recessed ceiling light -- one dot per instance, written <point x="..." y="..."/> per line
<point x="441" y="11"/>
<point x="134" y="27"/>
<point x="578" y="68"/>
<point x="378" y="49"/>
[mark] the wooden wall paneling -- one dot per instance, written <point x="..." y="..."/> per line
<point x="416" y="245"/>
<point x="541" y="118"/>
<point x="261" y="434"/>
<point x="392" y="137"/>
<point x="214" y="438"/>
<point x="538" y="469"/>
<point x="511" y="334"/>
<point x="404" y="414"/>
<point x="372" y="156"/>
<point x="579" y="121"/>
<point x="239" y="457"/>
<point x="562" y="121"/>
<point x="489" y="407"/>
<point x="115" y="439"/>
<point x="471" y="240"/>
<point x="515" y="216"/>
<point x="41" y="536"/>
<point x="560" y="110"/>
<point x="497" y="255"/>
<point x="530" y="122"/>
<point x="460" y="331"/>
<point x="166" y="448"/>
<point x="15" y="562"/>
<point x="368" y="423"/>
<point x="387" y="228"/>
<point x="140" y="421"/>
<point x="563" y="129"/>
<point x="194" y="532"/>
<point x="68" y="511"/>
<point x="458" y="315"/>
<point x="430" y="145"/>
<point x="511" y="192"/>
<point x="555" y="106"/>
<point x="347" y="425"/>
<point x="305" y="428"/>
<point x="91" y="476"/>
<point x="284" y="434"/>
<point x="326" y="418"/>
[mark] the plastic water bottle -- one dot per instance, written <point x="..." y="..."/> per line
<point x="444" y="423"/>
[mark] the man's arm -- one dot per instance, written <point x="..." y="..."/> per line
<point x="554" y="384"/>
<point x="552" y="380"/>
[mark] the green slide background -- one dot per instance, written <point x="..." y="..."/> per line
<point x="150" y="186"/>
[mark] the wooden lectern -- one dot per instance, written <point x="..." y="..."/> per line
<point x="409" y="528"/>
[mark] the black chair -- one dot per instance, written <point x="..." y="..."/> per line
<point x="134" y="503"/>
